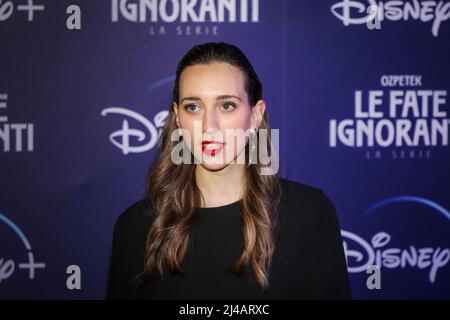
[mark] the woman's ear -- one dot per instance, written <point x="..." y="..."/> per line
<point x="175" y="109"/>
<point x="258" y="113"/>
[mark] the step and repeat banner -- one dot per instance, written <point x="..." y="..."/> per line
<point x="358" y="89"/>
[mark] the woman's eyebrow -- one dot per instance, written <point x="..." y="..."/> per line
<point x="222" y="97"/>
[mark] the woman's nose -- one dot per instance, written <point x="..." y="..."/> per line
<point x="210" y="120"/>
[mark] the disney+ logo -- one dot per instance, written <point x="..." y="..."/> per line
<point x="8" y="266"/>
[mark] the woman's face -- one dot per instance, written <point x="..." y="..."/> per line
<point x="213" y="101"/>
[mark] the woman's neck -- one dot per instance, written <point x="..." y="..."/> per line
<point x="220" y="187"/>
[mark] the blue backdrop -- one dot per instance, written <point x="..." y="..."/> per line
<point x="359" y="93"/>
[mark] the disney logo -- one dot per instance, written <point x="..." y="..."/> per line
<point x="354" y="12"/>
<point x="375" y="253"/>
<point x="121" y="138"/>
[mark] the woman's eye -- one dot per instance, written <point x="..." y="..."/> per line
<point x="190" y="107"/>
<point x="229" y="106"/>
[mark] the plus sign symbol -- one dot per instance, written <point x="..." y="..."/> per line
<point x="29" y="7"/>
<point x="16" y="253"/>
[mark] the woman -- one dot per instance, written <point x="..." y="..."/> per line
<point x="221" y="229"/>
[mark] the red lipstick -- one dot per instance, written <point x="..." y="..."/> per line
<point x="212" y="148"/>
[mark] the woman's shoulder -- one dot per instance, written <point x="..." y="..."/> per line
<point x="300" y="192"/>
<point x="304" y="200"/>
<point x="140" y="212"/>
<point x="298" y="188"/>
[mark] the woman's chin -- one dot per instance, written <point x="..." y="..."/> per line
<point x="213" y="166"/>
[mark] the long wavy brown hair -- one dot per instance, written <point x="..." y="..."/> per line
<point x="175" y="196"/>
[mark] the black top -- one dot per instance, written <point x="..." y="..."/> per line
<point x="308" y="262"/>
